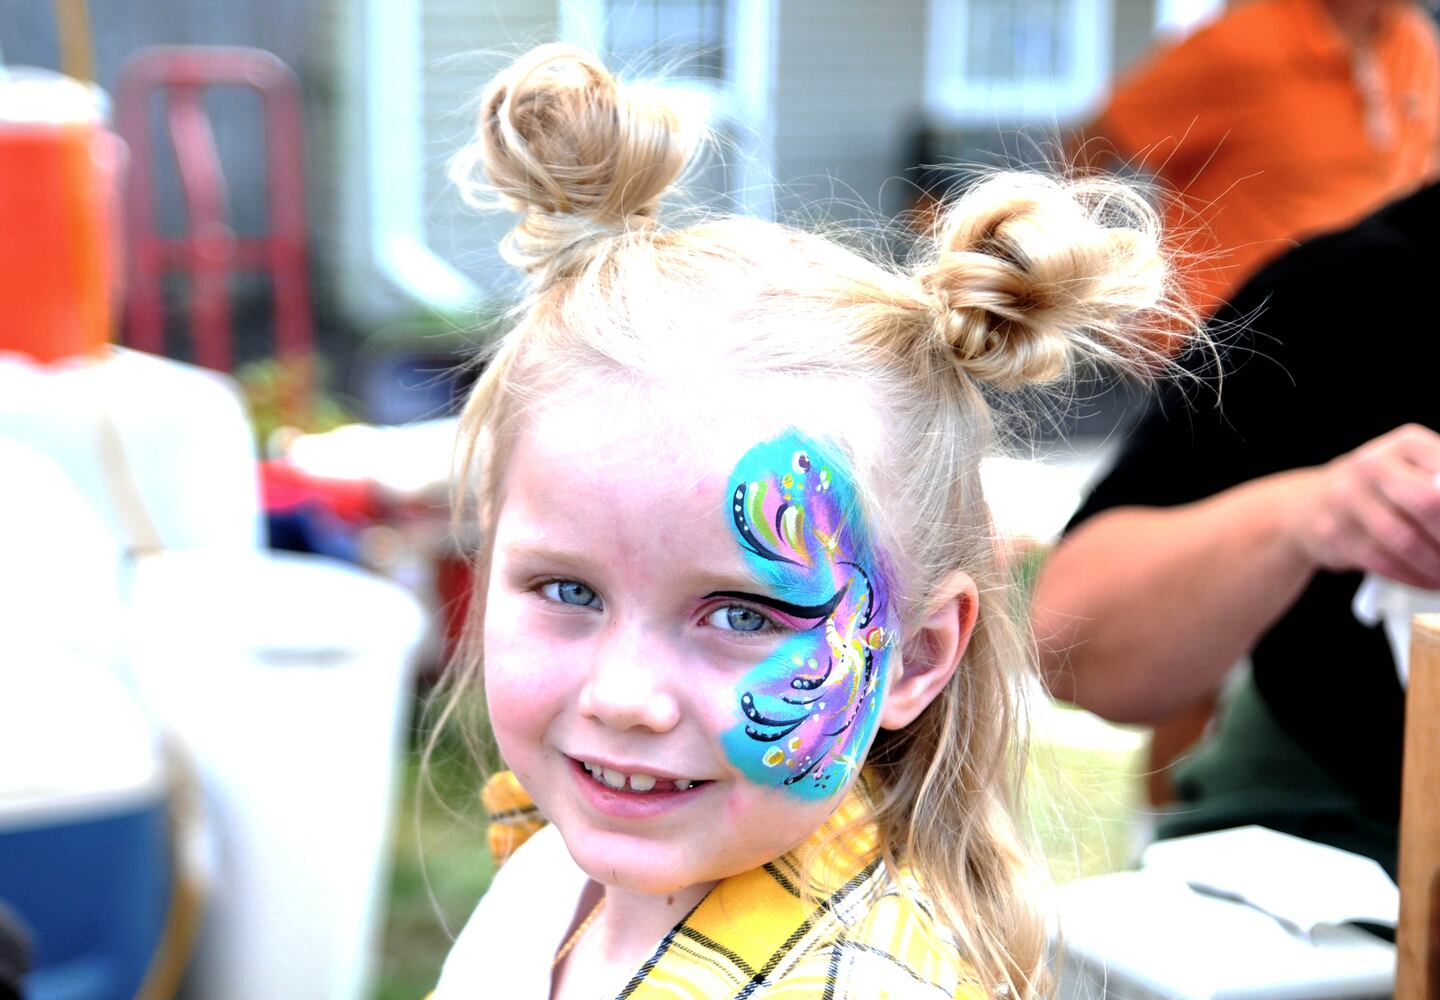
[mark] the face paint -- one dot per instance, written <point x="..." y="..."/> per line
<point x="808" y="711"/>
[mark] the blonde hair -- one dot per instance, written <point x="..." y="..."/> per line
<point x="1024" y="274"/>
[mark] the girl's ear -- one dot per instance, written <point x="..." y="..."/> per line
<point x="932" y="656"/>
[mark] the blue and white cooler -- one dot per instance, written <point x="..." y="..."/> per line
<point x="85" y="860"/>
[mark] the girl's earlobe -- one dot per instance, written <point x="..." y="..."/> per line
<point x="933" y="655"/>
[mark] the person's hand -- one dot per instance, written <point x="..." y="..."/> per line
<point x="1377" y="509"/>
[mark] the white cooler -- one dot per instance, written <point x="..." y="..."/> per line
<point x="286" y="677"/>
<point x="85" y="859"/>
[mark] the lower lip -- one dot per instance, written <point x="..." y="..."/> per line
<point x="622" y="804"/>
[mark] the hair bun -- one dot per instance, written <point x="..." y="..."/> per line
<point x="1031" y="271"/>
<point x="560" y="140"/>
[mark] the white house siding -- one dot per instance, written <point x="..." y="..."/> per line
<point x="325" y="154"/>
<point x="1134" y="31"/>
<point x="848" y="96"/>
<point x="464" y="43"/>
<point x="849" y="88"/>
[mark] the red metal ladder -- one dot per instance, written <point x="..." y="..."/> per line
<point x="209" y="251"/>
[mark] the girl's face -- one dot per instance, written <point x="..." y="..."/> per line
<point x="687" y="636"/>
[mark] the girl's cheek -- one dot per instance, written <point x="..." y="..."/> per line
<point x="521" y="672"/>
<point x="513" y="685"/>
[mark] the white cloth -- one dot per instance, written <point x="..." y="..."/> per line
<point x="507" y="945"/>
<point x="1380" y="600"/>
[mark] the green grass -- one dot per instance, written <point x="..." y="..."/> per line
<point x="1082" y="798"/>
<point x="441" y="867"/>
<point x="1082" y="804"/>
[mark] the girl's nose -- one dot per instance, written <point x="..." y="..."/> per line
<point x="630" y="683"/>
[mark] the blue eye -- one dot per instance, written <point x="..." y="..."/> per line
<point x="570" y="592"/>
<point x="738" y="618"/>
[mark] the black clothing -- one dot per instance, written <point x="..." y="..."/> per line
<point x="1340" y="347"/>
<point x="14" y="954"/>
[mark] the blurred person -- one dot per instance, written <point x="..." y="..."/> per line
<point x="1246" y="529"/>
<point x="1278" y="121"/>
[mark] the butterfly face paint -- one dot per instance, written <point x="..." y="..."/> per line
<point x="808" y="711"/>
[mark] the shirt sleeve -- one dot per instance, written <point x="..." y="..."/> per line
<point x="1289" y="383"/>
<point x="1226" y="419"/>
<point x="509" y="941"/>
<point x="1170" y="112"/>
<point x="1183" y="448"/>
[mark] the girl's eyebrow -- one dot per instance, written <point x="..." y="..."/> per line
<point x="802" y="611"/>
<point x="525" y="549"/>
<point x="526" y="553"/>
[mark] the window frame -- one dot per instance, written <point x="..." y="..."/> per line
<point x="742" y="99"/>
<point x="952" y="95"/>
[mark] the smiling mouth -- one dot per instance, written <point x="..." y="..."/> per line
<point x="638" y="783"/>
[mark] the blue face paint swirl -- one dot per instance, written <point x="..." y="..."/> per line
<point x="808" y="711"/>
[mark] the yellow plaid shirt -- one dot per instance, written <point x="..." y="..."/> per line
<point x="755" y="935"/>
<point x="842" y="927"/>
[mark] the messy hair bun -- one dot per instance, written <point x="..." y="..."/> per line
<point x="1030" y="271"/>
<point x="576" y="152"/>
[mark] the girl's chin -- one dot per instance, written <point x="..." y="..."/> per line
<point x="651" y="875"/>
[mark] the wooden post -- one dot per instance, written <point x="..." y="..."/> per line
<point x="1417" y="974"/>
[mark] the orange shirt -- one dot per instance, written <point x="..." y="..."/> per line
<point x="1270" y="129"/>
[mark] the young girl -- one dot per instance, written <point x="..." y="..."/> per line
<point x="741" y="625"/>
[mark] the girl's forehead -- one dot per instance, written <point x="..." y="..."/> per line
<point x="703" y="424"/>
<point x="628" y="472"/>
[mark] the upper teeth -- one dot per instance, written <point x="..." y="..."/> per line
<point x="637" y="782"/>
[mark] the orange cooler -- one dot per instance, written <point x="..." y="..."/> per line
<point x="57" y="217"/>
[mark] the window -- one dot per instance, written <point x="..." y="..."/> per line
<point x="1042" y="60"/>
<point x="677" y="40"/>
<point x="1006" y="41"/>
<point x="716" y="56"/>
<point x="680" y="38"/>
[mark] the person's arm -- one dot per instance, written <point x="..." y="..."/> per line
<point x="1140" y="611"/>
